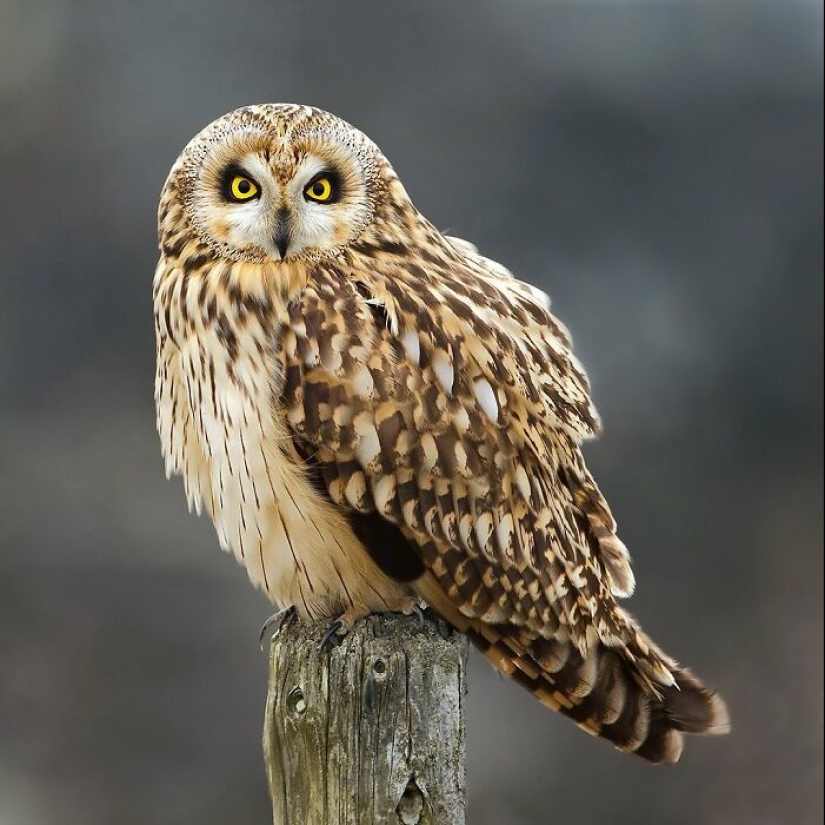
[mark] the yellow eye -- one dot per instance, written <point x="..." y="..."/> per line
<point x="319" y="190"/>
<point x="242" y="188"/>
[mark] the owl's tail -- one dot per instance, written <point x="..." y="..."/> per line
<point x="606" y="693"/>
<point x="634" y="695"/>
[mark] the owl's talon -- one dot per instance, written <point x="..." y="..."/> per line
<point x="422" y="617"/>
<point x="329" y="633"/>
<point x="280" y="620"/>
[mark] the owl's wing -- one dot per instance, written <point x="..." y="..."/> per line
<point x="446" y="399"/>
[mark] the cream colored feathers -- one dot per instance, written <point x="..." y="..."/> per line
<point x="373" y="413"/>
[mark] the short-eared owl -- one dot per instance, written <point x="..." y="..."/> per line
<point x="375" y="416"/>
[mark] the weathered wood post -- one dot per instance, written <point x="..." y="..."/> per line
<point x="371" y="733"/>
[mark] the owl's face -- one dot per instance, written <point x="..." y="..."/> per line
<point x="279" y="182"/>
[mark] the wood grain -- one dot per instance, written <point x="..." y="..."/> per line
<point x="371" y="733"/>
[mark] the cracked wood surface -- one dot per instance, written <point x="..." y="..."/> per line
<point x="371" y="733"/>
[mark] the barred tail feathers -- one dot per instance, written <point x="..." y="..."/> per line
<point x="632" y="694"/>
<point x="605" y="694"/>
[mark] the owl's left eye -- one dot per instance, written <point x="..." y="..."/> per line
<point x="241" y="188"/>
<point x="321" y="189"/>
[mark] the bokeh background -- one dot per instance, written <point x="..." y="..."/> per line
<point x="656" y="166"/>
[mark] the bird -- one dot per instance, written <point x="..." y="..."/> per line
<point x="379" y="418"/>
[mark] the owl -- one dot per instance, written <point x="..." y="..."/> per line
<point x="377" y="417"/>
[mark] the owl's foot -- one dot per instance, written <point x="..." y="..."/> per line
<point x="408" y="605"/>
<point x="336" y="629"/>
<point x="418" y="610"/>
<point x="341" y="626"/>
<point x="279" y="621"/>
<point x="412" y="606"/>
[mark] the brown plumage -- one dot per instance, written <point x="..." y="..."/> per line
<point x="374" y="414"/>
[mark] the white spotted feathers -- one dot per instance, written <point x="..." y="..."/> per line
<point x="374" y="413"/>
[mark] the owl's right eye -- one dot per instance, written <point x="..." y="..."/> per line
<point x="242" y="188"/>
<point x="239" y="187"/>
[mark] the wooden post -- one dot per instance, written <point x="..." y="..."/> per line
<point x="371" y="733"/>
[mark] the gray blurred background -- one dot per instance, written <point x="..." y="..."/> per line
<point x="655" y="166"/>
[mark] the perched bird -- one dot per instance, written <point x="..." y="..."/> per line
<point x="377" y="417"/>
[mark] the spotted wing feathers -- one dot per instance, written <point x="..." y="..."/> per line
<point x="402" y="408"/>
<point x="446" y="400"/>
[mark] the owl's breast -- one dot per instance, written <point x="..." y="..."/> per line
<point x="222" y="430"/>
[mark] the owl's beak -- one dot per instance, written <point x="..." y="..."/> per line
<point x="283" y="234"/>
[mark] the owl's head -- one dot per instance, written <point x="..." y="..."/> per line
<point x="277" y="182"/>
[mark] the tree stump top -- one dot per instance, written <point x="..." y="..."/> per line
<point x="371" y="732"/>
